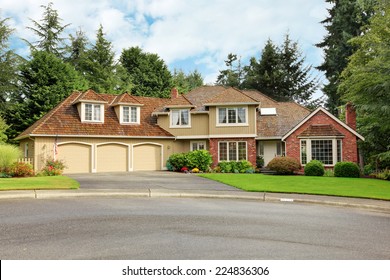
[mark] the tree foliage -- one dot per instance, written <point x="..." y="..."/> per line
<point x="366" y="81"/>
<point x="186" y="82"/>
<point x="148" y="72"/>
<point x="233" y="76"/>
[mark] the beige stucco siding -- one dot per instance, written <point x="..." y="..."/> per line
<point x="248" y="129"/>
<point x="199" y="125"/>
<point x="112" y="158"/>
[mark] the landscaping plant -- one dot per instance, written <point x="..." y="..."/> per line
<point x="53" y="167"/>
<point x="314" y="168"/>
<point x="346" y="169"/>
<point x="21" y="169"/>
<point x="284" y="165"/>
<point x="242" y="166"/>
<point x="8" y="155"/>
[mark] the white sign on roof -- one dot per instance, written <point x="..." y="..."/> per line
<point x="267" y="111"/>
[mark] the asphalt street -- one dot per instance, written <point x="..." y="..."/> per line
<point x="170" y="228"/>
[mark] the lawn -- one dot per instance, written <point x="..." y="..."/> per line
<point x="38" y="183"/>
<point x="350" y="187"/>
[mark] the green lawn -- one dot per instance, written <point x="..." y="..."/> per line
<point x="351" y="187"/>
<point x="38" y="183"/>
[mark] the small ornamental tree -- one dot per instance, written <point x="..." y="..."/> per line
<point x="284" y="165"/>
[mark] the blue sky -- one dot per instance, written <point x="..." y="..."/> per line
<point x="187" y="34"/>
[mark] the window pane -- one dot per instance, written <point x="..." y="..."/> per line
<point x="241" y="150"/>
<point x="126" y="117"/>
<point x="184" y="117"/>
<point x="201" y="146"/>
<point x="222" y="115"/>
<point x="232" y="151"/>
<point x="322" y="150"/>
<point x="96" y="116"/>
<point x="194" y="146"/>
<point x="303" y="152"/>
<point x="223" y="151"/>
<point x="261" y="148"/>
<point x="88" y="112"/>
<point x="232" y="115"/>
<point x="241" y="115"/>
<point x="339" y="151"/>
<point x="133" y="114"/>
<point x="175" y="117"/>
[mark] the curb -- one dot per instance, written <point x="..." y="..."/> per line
<point x="369" y="204"/>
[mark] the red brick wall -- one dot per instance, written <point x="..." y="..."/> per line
<point x="349" y="143"/>
<point x="251" y="148"/>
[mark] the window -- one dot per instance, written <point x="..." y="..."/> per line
<point x="25" y="150"/>
<point x="232" y="151"/>
<point x="198" y="146"/>
<point x="93" y="112"/>
<point x="280" y="149"/>
<point x="180" y="118"/>
<point x="328" y="151"/>
<point x="130" y="114"/>
<point x="231" y="116"/>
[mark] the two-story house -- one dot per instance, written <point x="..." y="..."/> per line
<point x="105" y="133"/>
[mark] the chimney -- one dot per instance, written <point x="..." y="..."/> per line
<point x="174" y="93"/>
<point x="350" y="115"/>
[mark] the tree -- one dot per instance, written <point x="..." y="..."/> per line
<point x="366" y="81"/>
<point x="45" y="80"/>
<point x="346" y="17"/>
<point x="3" y="128"/>
<point x="234" y="74"/>
<point x="49" y="32"/>
<point x="149" y="73"/>
<point x="185" y="83"/>
<point x="8" y="66"/>
<point x="100" y="69"/>
<point x="77" y="50"/>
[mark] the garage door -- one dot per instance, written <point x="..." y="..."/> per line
<point x="77" y="157"/>
<point x="147" y="157"/>
<point x="112" y="158"/>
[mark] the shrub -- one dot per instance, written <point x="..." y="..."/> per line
<point x="329" y="173"/>
<point x="177" y="161"/>
<point x="242" y="166"/>
<point x="200" y="159"/>
<point x="21" y="169"/>
<point x="259" y="161"/>
<point x="195" y="170"/>
<point x="53" y="167"/>
<point x="368" y="169"/>
<point x="314" y="168"/>
<point x="346" y="169"/>
<point x="284" y="165"/>
<point x="8" y="155"/>
<point x="384" y="175"/>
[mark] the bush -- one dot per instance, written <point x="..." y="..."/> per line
<point x="53" y="167"/>
<point x="242" y="166"/>
<point x="177" y="161"/>
<point x="329" y="173"/>
<point x="384" y="175"/>
<point x="368" y="169"/>
<point x="314" y="168"/>
<point x="346" y="169"/>
<point x="8" y="155"/>
<point x="200" y="159"/>
<point x="284" y="165"/>
<point x="21" y="169"/>
<point x="259" y="161"/>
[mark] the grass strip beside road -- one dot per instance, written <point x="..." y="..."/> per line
<point x="334" y="186"/>
<point x="38" y="183"/>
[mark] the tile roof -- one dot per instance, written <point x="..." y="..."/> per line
<point x="89" y="95"/>
<point x="320" y="130"/>
<point x="64" y="119"/>
<point x="231" y="96"/>
<point x="125" y="98"/>
<point x="181" y="100"/>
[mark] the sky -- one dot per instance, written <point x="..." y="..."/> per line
<point x="186" y="34"/>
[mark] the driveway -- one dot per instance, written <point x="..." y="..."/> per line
<point x="150" y="180"/>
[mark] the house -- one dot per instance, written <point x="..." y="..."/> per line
<point x="106" y="133"/>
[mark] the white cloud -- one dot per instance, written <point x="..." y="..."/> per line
<point x="181" y="30"/>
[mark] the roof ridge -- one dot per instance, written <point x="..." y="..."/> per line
<point x="245" y="94"/>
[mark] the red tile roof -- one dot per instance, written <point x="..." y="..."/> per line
<point x="320" y="130"/>
<point x="125" y="98"/>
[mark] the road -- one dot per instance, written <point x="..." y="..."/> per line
<point x="173" y="228"/>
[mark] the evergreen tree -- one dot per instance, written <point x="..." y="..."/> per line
<point x="185" y="83"/>
<point x="3" y="128"/>
<point x="49" y="31"/>
<point x="77" y="50"/>
<point x="100" y="69"/>
<point x="346" y="17"/>
<point x="149" y="73"/>
<point x="234" y="74"/>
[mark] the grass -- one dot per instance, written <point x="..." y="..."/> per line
<point x="38" y="183"/>
<point x="348" y="187"/>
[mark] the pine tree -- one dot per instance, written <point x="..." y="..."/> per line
<point x="234" y="74"/>
<point x="185" y="83"/>
<point x="77" y="50"/>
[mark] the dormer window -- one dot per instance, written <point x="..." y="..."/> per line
<point x="180" y="118"/>
<point x="130" y="114"/>
<point x="92" y="112"/>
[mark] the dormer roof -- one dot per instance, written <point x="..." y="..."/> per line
<point x="126" y="99"/>
<point x="90" y="96"/>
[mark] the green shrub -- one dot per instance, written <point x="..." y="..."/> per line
<point x="346" y="169"/>
<point x="177" y="161"/>
<point x="8" y="155"/>
<point x="259" y="161"/>
<point x="384" y="175"/>
<point x="21" y="169"/>
<point x="242" y="166"/>
<point x="314" y="168"/>
<point x="200" y="159"/>
<point x="284" y="165"/>
<point x="368" y="169"/>
<point x="53" y="167"/>
<point x="329" y="173"/>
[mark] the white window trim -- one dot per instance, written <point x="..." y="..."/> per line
<point x="198" y="142"/>
<point x="180" y="126"/>
<point x="237" y="151"/>
<point x="83" y="111"/>
<point x="26" y="150"/>
<point x="308" y="149"/>
<point x="231" y="124"/>
<point x="121" y="115"/>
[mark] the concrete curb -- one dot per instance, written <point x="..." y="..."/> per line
<point x="370" y="204"/>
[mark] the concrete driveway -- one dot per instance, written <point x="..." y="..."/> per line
<point x="148" y="180"/>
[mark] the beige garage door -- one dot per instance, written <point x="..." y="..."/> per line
<point x="112" y="158"/>
<point x="147" y="157"/>
<point x="77" y="157"/>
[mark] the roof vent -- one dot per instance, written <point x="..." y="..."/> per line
<point x="267" y="111"/>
